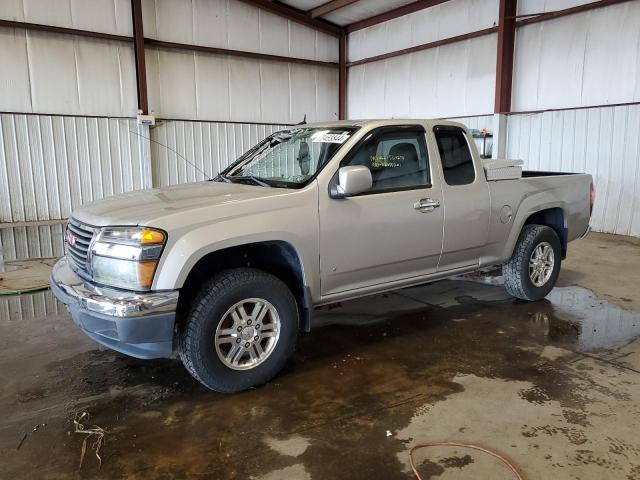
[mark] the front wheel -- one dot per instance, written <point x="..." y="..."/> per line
<point x="241" y="329"/>
<point x="533" y="269"/>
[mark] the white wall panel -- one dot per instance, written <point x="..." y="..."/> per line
<point x="63" y="74"/>
<point x="599" y="141"/>
<point x="38" y="241"/>
<point x="28" y="307"/>
<point x="590" y="58"/>
<point x="527" y="7"/>
<point x="477" y="123"/>
<point x="49" y="164"/>
<point x="456" y="79"/>
<point x="235" y="25"/>
<point x="424" y="26"/>
<point x="199" y="86"/>
<point x="106" y="16"/>
<point x="210" y="146"/>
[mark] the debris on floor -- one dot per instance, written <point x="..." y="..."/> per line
<point x="33" y="430"/>
<point x="470" y="446"/>
<point x="96" y="433"/>
<point x="22" y="276"/>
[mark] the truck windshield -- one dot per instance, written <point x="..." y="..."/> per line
<point x="288" y="158"/>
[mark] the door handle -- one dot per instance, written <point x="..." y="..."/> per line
<point x="425" y="205"/>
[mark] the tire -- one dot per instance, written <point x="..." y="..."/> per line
<point x="215" y="317"/>
<point x="516" y="271"/>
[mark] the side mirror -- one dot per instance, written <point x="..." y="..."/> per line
<point x="352" y="181"/>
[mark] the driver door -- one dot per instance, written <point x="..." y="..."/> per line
<point x="391" y="232"/>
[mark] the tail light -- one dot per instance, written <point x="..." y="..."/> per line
<point x="592" y="197"/>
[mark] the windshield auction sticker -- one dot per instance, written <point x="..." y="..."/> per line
<point x="325" y="137"/>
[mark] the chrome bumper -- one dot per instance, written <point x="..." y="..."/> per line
<point x="108" y="301"/>
<point x="137" y="324"/>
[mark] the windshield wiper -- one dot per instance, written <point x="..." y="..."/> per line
<point x="222" y="177"/>
<point x="256" y="180"/>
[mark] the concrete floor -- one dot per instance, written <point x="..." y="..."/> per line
<point x="553" y="385"/>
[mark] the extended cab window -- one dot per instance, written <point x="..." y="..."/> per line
<point x="457" y="163"/>
<point x="396" y="156"/>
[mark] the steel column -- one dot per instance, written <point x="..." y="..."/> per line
<point x="504" y="61"/>
<point x="141" y="70"/>
<point x="342" y="77"/>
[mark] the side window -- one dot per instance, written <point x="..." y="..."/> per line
<point x="457" y="163"/>
<point x="396" y="156"/>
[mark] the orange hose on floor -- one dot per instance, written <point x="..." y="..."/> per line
<point x="462" y="445"/>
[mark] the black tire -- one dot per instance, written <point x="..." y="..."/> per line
<point x="197" y="336"/>
<point x="516" y="270"/>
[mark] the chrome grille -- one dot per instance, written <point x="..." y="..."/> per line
<point x="77" y="242"/>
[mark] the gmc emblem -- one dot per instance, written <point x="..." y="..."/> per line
<point x="70" y="238"/>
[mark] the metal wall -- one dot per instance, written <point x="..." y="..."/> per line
<point x="202" y="86"/>
<point x="456" y="79"/>
<point x="601" y="141"/>
<point x="589" y="58"/>
<point x="449" y="19"/>
<point x="210" y="146"/>
<point x="65" y="74"/>
<point x="51" y="164"/>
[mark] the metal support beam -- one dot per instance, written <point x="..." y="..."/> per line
<point x="297" y="16"/>
<point x="150" y="42"/>
<point x="329" y="7"/>
<point x="342" y="77"/>
<point x="63" y="30"/>
<point x="391" y="14"/>
<point x="541" y="17"/>
<point x="504" y="60"/>
<point x="141" y="69"/>
<point x="424" y="46"/>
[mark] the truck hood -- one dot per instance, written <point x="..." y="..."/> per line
<point x="148" y="207"/>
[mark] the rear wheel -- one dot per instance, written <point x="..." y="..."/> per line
<point x="533" y="269"/>
<point x="241" y="330"/>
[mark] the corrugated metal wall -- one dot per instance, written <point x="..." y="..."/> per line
<point x="51" y="164"/>
<point x="210" y="146"/>
<point x="21" y="308"/>
<point x="601" y="141"/>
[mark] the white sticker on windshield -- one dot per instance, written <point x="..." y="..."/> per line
<point x="322" y="137"/>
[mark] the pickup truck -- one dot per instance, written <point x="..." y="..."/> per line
<point x="227" y="272"/>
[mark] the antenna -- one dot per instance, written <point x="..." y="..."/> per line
<point x="304" y="120"/>
<point x="172" y="150"/>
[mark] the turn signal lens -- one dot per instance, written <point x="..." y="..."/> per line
<point x="146" y="270"/>
<point x="151" y="236"/>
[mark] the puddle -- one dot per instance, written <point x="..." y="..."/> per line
<point x="601" y="324"/>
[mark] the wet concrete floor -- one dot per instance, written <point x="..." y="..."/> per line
<point x="553" y="385"/>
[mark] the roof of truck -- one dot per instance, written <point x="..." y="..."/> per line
<point x="379" y="123"/>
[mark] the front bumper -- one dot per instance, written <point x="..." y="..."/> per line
<point x="137" y="324"/>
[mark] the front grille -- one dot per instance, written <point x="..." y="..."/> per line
<point x="78" y="240"/>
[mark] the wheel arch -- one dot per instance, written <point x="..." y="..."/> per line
<point x="554" y="218"/>
<point x="277" y="257"/>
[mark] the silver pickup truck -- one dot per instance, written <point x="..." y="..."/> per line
<point x="227" y="272"/>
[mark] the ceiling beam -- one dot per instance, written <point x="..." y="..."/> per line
<point x="391" y="14"/>
<point x="585" y="7"/>
<point x="329" y="7"/>
<point x="298" y="16"/>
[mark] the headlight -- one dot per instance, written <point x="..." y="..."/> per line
<point x="126" y="257"/>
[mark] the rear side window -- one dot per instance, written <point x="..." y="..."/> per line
<point x="457" y="163"/>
